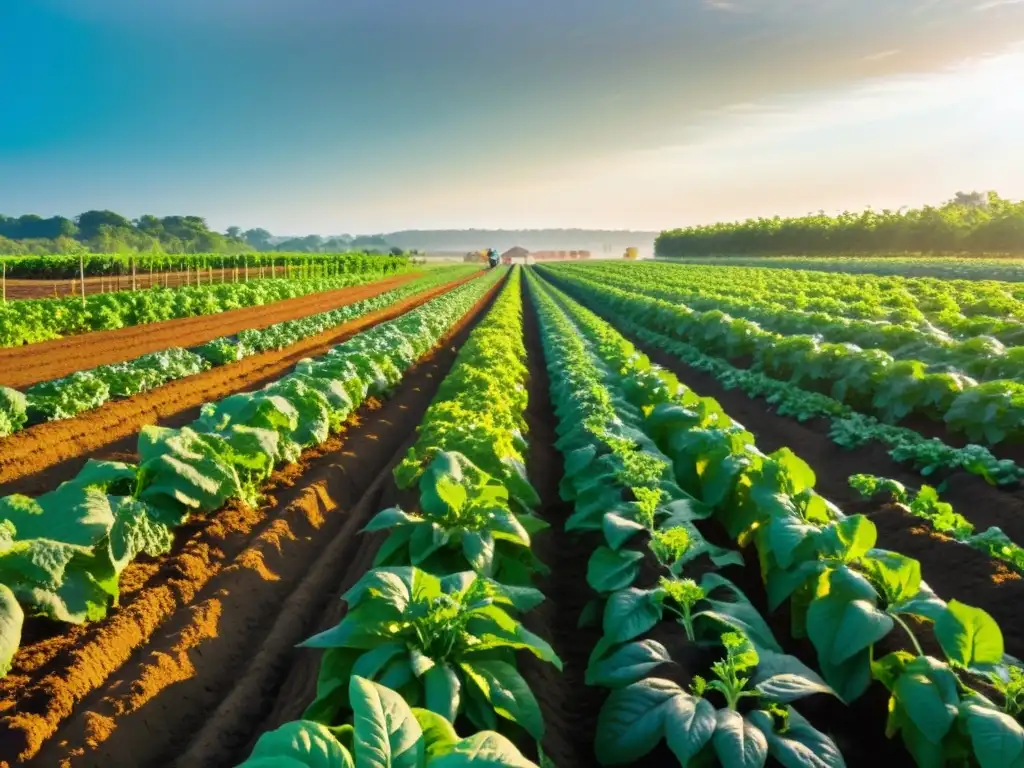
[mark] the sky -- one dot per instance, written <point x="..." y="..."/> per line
<point x="360" y="116"/>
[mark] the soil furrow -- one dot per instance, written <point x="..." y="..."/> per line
<point x="37" y="459"/>
<point x="30" y="364"/>
<point x="569" y="706"/>
<point x="134" y="694"/>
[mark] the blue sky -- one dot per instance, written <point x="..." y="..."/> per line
<point x="372" y="115"/>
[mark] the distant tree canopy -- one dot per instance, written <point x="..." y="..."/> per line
<point x="972" y="222"/>
<point x="110" y="232"/>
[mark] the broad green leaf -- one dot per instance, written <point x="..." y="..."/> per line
<point x="439" y="736"/>
<point x="609" y="570"/>
<point x="737" y="743"/>
<point x="443" y="691"/>
<point x="62" y="581"/>
<point x="387" y="734"/>
<point x="898" y="576"/>
<point x="689" y="725"/>
<point x="849" y="538"/>
<point x="840" y="628"/>
<point x="507" y="692"/>
<point x="373" y="661"/>
<point x="629" y="664"/>
<point x="483" y="750"/>
<point x="299" y="744"/>
<point x="997" y="738"/>
<point x="801" y="746"/>
<point x="618" y="529"/>
<point x="71" y="514"/>
<point x="478" y="547"/>
<point x="924" y="705"/>
<point x="629" y="613"/>
<point x="12" y="617"/>
<point x="785" y="678"/>
<point x="389" y="518"/>
<point x="969" y="636"/>
<point x="632" y="720"/>
<point x="785" y="534"/>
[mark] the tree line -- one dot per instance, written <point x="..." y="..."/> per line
<point x="108" y="232"/>
<point x="971" y="222"/>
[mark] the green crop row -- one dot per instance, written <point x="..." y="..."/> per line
<point x="740" y="294"/>
<point x="926" y="504"/>
<point x="849" y="429"/>
<point x="69" y="266"/>
<point x="435" y="625"/>
<point x="898" y="265"/>
<point x="31" y="320"/>
<point x="81" y="391"/>
<point x="848" y="597"/>
<point x="62" y="553"/>
<point x="866" y="380"/>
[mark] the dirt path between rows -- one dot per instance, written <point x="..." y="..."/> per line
<point x="569" y="706"/>
<point x="203" y="642"/>
<point x="36" y="459"/>
<point x="30" y="364"/>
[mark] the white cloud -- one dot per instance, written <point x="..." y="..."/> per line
<point x="881" y="55"/>
<point x="990" y="4"/>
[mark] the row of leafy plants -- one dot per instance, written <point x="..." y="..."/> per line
<point x="897" y="265"/>
<point x="866" y="380"/>
<point x="964" y="308"/>
<point x="849" y="428"/>
<point x="904" y="332"/>
<point x="27" y="321"/>
<point x="863" y="609"/>
<point x="62" y="553"/>
<point x="81" y="391"/>
<point x="433" y="628"/>
<point x="69" y="266"/>
<point x="926" y="504"/>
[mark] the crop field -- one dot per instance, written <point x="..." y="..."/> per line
<point x="610" y="513"/>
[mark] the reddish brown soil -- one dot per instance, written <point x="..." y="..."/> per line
<point x="23" y="366"/>
<point x="42" y="456"/>
<point x="29" y="288"/>
<point x="206" y="635"/>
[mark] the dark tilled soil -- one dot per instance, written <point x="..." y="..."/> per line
<point x="569" y="706"/>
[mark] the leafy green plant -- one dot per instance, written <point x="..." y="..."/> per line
<point x="386" y="732"/>
<point x="636" y="717"/>
<point x="448" y="643"/>
<point x="464" y="520"/>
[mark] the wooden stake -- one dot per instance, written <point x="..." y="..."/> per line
<point x="81" y="273"/>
